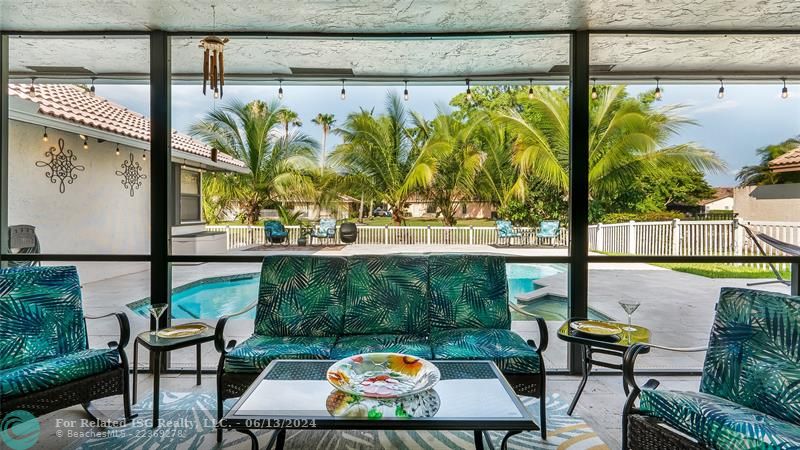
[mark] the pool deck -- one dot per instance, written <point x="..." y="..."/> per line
<point x="677" y="307"/>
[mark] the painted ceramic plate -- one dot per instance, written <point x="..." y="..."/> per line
<point x="595" y="327"/>
<point x="181" y="331"/>
<point x="383" y="375"/>
<point x="421" y="405"/>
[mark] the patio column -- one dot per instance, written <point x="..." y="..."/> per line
<point x="4" y="127"/>
<point x="578" y="184"/>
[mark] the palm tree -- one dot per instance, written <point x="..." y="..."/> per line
<point x="761" y="173"/>
<point x="628" y="139"/>
<point x="326" y="121"/>
<point x="288" y="117"/>
<point x="251" y="133"/>
<point x="380" y="148"/>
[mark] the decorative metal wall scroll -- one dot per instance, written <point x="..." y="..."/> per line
<point x="131" y="174"/>
<point x="61" y="166"/>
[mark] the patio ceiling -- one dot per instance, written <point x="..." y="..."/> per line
<point x="397" y="16"/>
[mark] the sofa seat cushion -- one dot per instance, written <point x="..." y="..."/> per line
<point x="256" y="352"/>
<point x="387" y="294"/>
<point x="53" y="372"/>
<point x="278" y="233"/>
<point x="468" y="291"/>
<point x="718" y="422"/>
<point x="507" y="349"/>
<point x="418" y="346"/>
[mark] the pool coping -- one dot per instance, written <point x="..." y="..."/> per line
<point x="184" y="287"/>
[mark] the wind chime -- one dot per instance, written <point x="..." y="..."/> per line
<point x="213" y="60"/>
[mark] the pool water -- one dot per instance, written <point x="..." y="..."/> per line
<point x="212" y="298"/>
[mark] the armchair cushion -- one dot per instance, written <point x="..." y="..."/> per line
<point x="301" y="295"/>
<point x="254" y="354"/>
<point x="468" y="291"/>
<point x="325" y="229"/>
<point x="275" y="229"/>
<point x="397" y="343"/>
<point x="507" y="349"/>
<point x="41" y="314"/>
<point x="387" y="294"/>
<point x="56" y="371"/>
<point x="505" y="229"/>
<point x="753" y="355"/>
<point x="549" y="228"/>
<point x="718" y="422"/>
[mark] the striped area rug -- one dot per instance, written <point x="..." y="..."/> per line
<point x="191" y="416"/>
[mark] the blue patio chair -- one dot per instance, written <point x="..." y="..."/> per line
<point x="549" y="229"/>
<point x="506" y="231"/>
<point x="275" y="233"/>
<point x="325" y="229"/>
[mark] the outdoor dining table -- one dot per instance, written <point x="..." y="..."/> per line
<point x="613" y="346"/>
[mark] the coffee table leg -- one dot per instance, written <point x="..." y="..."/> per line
<point x="156" y="387"/>
<point x="587" y="367"/>
<point x="135" y="367"/>
<point x="478" y="440"/>
<point x="253" y="438"/>
<point x="199" y="367"/>
<point x="504" y="444"/>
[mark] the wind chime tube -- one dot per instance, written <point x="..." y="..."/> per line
<point x="221" y="73"/>
<point x="205" y="70"/>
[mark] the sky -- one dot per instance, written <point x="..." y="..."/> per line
<point x="748" y="117"/>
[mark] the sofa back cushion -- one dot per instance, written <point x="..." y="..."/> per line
<point x="468" y="291"/>
<point x="387" y="294"/>
<point x="41" y="316"/>
<point x="301" y="296"/>
<point x="753" y="355"/>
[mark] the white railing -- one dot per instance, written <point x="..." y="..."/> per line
<point x="240" y="236"/>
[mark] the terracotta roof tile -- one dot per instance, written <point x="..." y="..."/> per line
<point x="76" y="105"/>
<point x="788" y="160"/>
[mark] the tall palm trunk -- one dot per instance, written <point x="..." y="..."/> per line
<point x="361" y="209"/>
<point x="324" y="144"/>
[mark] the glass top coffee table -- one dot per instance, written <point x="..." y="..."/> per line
<point x="294" y="394"/>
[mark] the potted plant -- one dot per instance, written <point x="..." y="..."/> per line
<point x="305" y="231"/>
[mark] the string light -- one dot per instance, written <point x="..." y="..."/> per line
<point x="785" y="90"/>
<point x="216" y="93"/>
<point x="44" y="136"/>
<point x="117" y="152"/>
<point x="530" y="89"/>
<point x="144" y="156"/>
<point x="86" y="144"/>
<point x="32" y="88"/>
<point x="92" y="88"/>
<point x="405" y="90"/>
<point x="721" y="92"/>
<point x="594" y="89"/>
<point x="469" y="92"/>
<point x="658" y="94"/>
<point x="343" y="94"/>
<point x="280" y="89"/>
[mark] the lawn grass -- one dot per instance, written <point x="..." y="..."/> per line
<point x="411" y="222"/>
<point x="721" y="270"/>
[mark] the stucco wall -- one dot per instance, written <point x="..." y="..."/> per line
<point x="777" y="202"/>
<point x="95" y="214"/>
<point x="721" y="204"/>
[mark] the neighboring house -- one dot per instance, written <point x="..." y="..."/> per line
<point x="98" y="201"/>
<point x="722" y="200"/>
<point x="772" y="202"/>
<point x="344" y="207"/>
<point x="419" y="206"/>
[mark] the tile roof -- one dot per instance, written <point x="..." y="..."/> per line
<point x="787" y="162"/>
<point x="75" y="104"/>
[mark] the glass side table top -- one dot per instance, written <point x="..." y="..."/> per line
<point x="289" y="394"/>
<point x="638" y="335"/>
<point x="153" y="341"/>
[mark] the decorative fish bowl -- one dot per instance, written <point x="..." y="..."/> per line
<point x="421" y="405"/>
<point x="383" y="375"/>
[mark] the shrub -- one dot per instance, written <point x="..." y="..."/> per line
<point x="655" y="216"/>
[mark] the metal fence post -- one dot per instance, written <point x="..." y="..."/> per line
<point x="676" y="236"/>
<point x="228" y="235"/>
<point x="428" y="235"/>
<point x="471" y="235"/>
<point x="738" y="237"/>
<point x="386" y="234"/>
<point x="632" y="237"/>
<point x="598" y="240"/>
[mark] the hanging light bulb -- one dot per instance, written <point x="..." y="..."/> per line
<point x="594" y="89"/>
<point x="658" y="90"/>
<point x="92" y="88"/>
<point x="530" y="89"/>
<point x="469" y="92"/>
<point x="86" y="144"/>
<point x="117" y="152"/>
<point x="44" y="136"/>
<point x="343" y="94"/>
<point x="32" y="88"/>
<point x="405" y="90"/>
<point x="216" y="94"/>
<point x="721" y="92"/>
<point x="280" y="89"/>
<point x="785" y="90"/>
<point x="144" y="156"/>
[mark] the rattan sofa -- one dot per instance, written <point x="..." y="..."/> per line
<point x="750" y="388"/>
<point x="45" y="360"/>
<point x="430" y="306"/>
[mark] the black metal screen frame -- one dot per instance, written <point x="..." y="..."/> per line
<point x="162" y="210"/>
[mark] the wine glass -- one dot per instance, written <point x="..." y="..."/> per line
<point x="156" y="311"/>
<point x="630" y="306"/>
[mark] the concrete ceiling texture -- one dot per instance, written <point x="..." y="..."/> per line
<point x="390" y="40"/>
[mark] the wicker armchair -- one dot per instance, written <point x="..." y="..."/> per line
<point x="748" y="389"/>
<point x="45" y="360"/>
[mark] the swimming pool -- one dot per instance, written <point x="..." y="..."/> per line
<point x="211" y="298"/>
